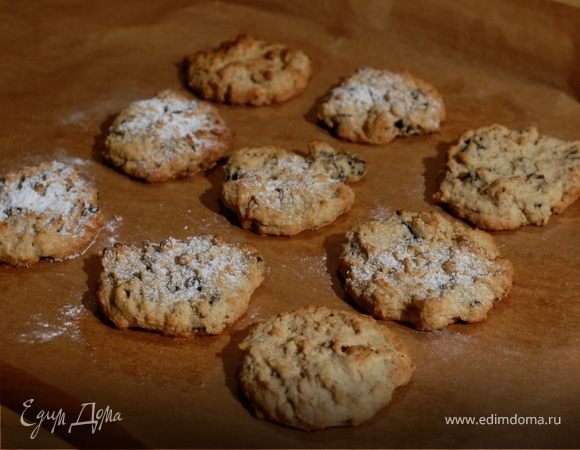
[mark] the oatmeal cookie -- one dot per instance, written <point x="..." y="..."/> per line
<point x="248" y="71"/>
<point x="168" y="136"/>
<point x="375" y="106"/>
<point x="46" y="211"/>
<point x="424" y="269"/>
<point x="278" y="192"/>
<point x="501" y="179"/>
<point x="316" y="368"/>
<point x="178" y="288"/>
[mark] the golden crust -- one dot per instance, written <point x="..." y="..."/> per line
<point x="501" y="179"/>
<point x="315" y="368"/>
<point x="248" y="71"/>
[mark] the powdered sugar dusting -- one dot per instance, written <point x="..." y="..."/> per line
<point x="51" y="189"/>
<point x="210" y="224"/>
<point x="315" y="266"/>
<point x="288" y="182"/>
<point x="421" y="268"/>
<point x="448" y="345"/>
<point x="43" y="329"/>
<point x="176" y="271"/>
<point x="169" y="118"/>
<point x="64" y="155"/>
<point x="93" y="113"/>
<point x="74" y="118"/>
<point x="35" y="195"/>
<point x="380" y="212"/>
<point x="111" y="229"/>
<point x="386" y="92"/>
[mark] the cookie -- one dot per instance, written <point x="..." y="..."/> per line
<point x="46" y="211"/>
<point x="278" y="192"/>
<point x="248" y="71"/>
<point x="316" y="368"/>
<point x="375" y="106"/>
<point x="501" y="179"/>
<point x="168" y="136"/>
<point x="178" y="288"/>
<point x="424" y="269"/>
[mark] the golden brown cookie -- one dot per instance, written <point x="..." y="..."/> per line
<point x="46" y="211"/>
<point x="501" y="179"/>
<point x="178" y="288"/>
<point x="424" y="269"/>
<point x="316" y="368"/>
<point x="375" y="106"/>
<point x="171" y="135"/>
<point x="248" y="71"/>
<point x="278" y="192"/>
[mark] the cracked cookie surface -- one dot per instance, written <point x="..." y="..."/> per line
<point x="178" y="288"/>
<point x="248" y="71"/>
<point x="424" y="269"/>
<point x="375" y="106"/>
<point x="278" y="192"/>
<point x="316" y="368"/>
<point x="501" y="179"/>
<point x="46" y="211"/>
<point x="171" y="135"/>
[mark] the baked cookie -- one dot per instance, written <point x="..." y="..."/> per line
<point x="424" y="269"/>
<point x="278" y="192"/>
<point x="316" y="368"/>
<point x="500" y="179"/>
<point x="46" y="211"/>
<point x="248" y="71"/>
<point x="178" y="288"/>
<point x="375" y="106"/>
<point x="168" y="136"/>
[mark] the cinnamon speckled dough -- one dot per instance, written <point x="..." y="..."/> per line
<point x="179" y="288"/>
<point x="501" y="179"/>
<point x="424" y="269"/>
<point x="249" y="71"/>
<point x="46" y="211"/>
<point x="375" y="106"/>
<point x="171" y="135"/>
<point x="316" y="368"/>
<point x="278" y="192"/>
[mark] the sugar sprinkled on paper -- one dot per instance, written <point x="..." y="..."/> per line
<point x="380" y="212"/>
<point x="43" y="329"/>
<point x="111" y="229"/>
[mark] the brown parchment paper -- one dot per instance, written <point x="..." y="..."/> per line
<point x="69" y="66"/>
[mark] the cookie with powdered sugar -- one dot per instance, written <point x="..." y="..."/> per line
<point x="171" y="135"/>
<point x="278" y="192"/>
<point x="424" y="269"/>
<point x="375" y="106"/>
<point x="248" y="71"/>
<point x="46" y="211"/>
<point x="316" y="368"/>
<point x="198" y="286"/>
<point x="501" y="179"/>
